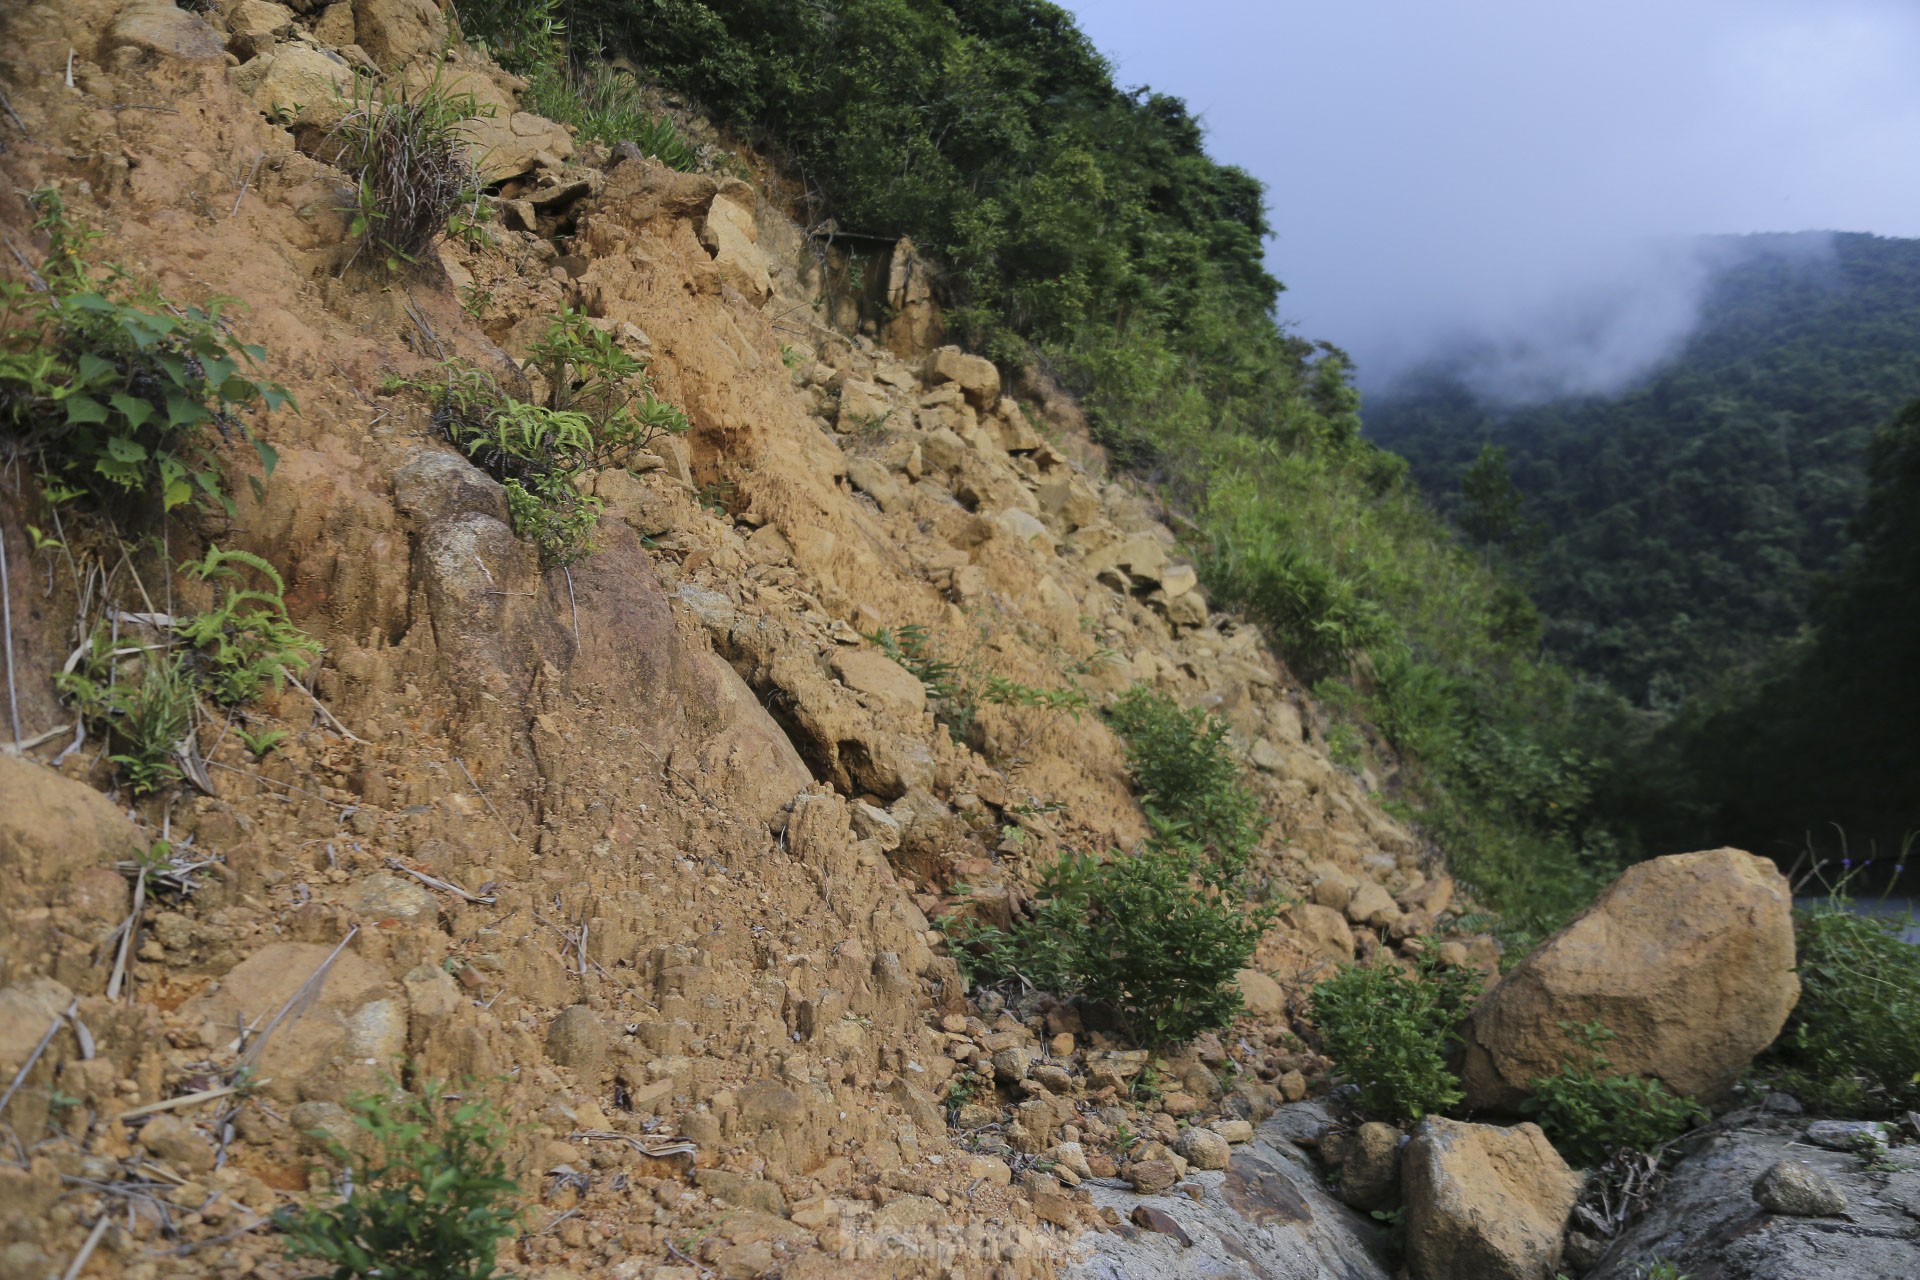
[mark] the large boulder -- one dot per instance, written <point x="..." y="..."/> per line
<point x="297" y="84"/>
<point x="1687" y="959"/>
<point x="506" y="145"/>
<point x="1484" y="1203"/>
<point x="395" y="32"/>
<point x="59" y="843"/>
<point x="976" y="376"/>
<point x="729" y="234"/>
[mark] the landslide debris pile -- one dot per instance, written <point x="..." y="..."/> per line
<point x="651" y="848"/>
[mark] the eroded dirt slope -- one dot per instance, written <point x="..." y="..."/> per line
<point x="695" y="824"/>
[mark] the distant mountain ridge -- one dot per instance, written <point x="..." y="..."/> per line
<point x="1681" y="525"/>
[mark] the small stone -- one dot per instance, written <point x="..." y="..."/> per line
<point x="177" y="1142"/>
<point x="1293" y="1086"/>
<point x="1204" y="1149"/>
<point x="1370" y="1177"/>
<point x="1793" y="1189"/>
<point x="1071" y="1156"/>
<point x="1179" y="1104"/>
<point x="1234" y="1131"/>
<point x="1262" y="996"/>
<point x="388" y="897"/>
<point x="1149" y="1177"/>
<point x="1148" y="1218"/>
<point x="1012" y="1065"/>
<point x="323" y="1126"/>
<point x="576" y="1039"/>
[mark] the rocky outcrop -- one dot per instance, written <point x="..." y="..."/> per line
<point x="1756" y="1199"/>
<point x="1687" y="959"/>
<point x="1267" y="1213"/>
<point x="1485" y="1203"/>
<point x="61" y="890"/>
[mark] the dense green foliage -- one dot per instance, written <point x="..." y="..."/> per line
<point x="107" y="392"/>
<point x="1852" y="1045"/>
<point x="1389" y="1032"/>
<point x="116" y="400"/>
<point x="1686" y="520"/>
<point x="1827" y="736"/>
<point x="1153" y="939"/>
<point x="428" y="1195"/>
<point x="1590" y="1112"/>
<point x="988" y="130"/>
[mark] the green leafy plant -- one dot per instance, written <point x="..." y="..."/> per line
<point x="522" y="35"/>
<point x="413" y="182"/>
<point x="1143" y="937"/>
<point x="1589" y="1114"/>
<point x="154" y="717"/>
<point x="109" y="393"/>
<point x="1388" y="1032"/>
<point x="428" y="1196"/>
<point x="262" y="743"/>
<point x="1852" y="1045"/>
<point x="1189" y="778"/>
<point x="246" y="641"/>
<point x="958" y="690"/>
<point x="599" y="411"/>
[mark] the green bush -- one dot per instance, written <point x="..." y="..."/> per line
<point x="1141" y="936"/>
<point x="1189" y="779"/>
<point x="1590" y="1114"/>
<point x="522" y="35"/>
<point x="428" y="1196"/>
<point x="600" y="411"/>
<point x="413" y="182"/>
<point x="1389" y="1033"/>
<point x="108" y="392"/>
<point x="246" y="641"/>
<point x="1852" y="1045"/>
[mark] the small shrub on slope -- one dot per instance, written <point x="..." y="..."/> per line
<point x="1590" y="1114"/>
<point x="1388" y="1033"/>
<point x="109" y="393"/>
<point x="1152" y="939"/>
<point x="1188" y="778"/>
<point x="403" y="146"/>
<point x="1852" y="1045"/>
<point x="600" y="411"/>
<point x="429" y="1200"/>
<point x="1140" y="936"/>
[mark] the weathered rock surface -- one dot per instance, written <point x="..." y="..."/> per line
<point x="296" y="83"/>
<point x="1708" y="1223"/>
<point x="1687" y="959"/>
<point x="1485" y="1203"/>
<point x="1267" y="1214"/>
<point x="730" y="236"/>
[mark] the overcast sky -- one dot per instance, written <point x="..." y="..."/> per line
<point x="1521" y="171"/>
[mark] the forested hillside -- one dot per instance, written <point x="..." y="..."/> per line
<point x="1675" y="533"/>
